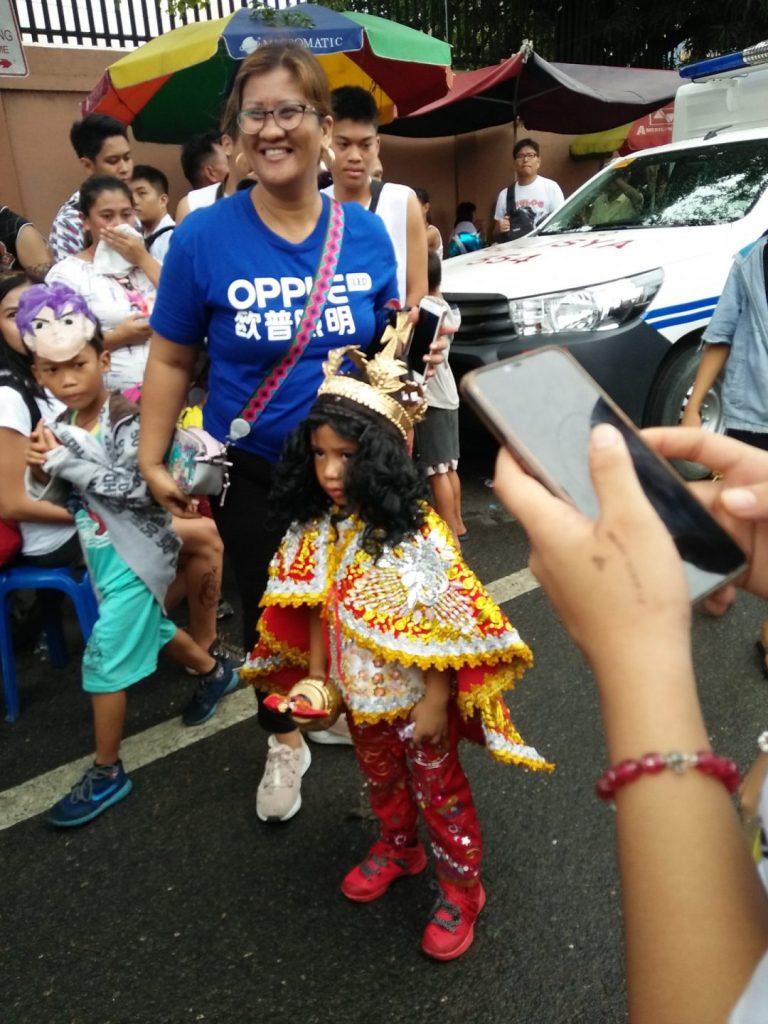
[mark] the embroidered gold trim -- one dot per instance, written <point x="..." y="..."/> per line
<point x="517" y="653"/>
<point x="385" y="389"/>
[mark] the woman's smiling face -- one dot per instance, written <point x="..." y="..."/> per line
<point x="283" y="160"/>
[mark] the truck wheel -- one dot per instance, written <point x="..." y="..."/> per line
<point x="670" y="395"/>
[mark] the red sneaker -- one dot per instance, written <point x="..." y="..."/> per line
<point x="384" y="863"/>
<point x="451" y="928"/>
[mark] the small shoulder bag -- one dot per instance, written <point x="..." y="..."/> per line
<point x="521" y="220"/>
<point x="197" y="462"/>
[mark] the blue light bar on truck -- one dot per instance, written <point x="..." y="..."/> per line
<point x="757" y="54"/>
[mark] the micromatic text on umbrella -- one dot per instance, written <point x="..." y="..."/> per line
<point x="315" y="43"/>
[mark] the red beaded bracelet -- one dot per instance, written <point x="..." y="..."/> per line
<point x="651" y="764"/>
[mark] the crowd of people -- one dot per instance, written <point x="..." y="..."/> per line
<point x="130" y="297"/>
<point x="269" y="305"/>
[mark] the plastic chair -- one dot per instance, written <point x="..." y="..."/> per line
<point x="77" y="588"/>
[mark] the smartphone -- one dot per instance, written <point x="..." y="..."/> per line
<point x="543" y="406"/>
<point x="425" y="331"/>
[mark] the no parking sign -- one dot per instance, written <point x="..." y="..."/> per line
<point x="12" y="59"/>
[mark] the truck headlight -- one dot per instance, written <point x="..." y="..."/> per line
<point x="600" y="307"/>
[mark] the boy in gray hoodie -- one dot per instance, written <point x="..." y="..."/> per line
<point x="127" y="540"/>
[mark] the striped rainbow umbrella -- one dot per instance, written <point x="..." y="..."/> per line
<point x="176" y="85"/>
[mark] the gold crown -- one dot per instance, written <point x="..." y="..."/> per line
<point x="384" y="389"/>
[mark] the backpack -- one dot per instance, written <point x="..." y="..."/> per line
<point x="465" y="241"/>
<point x="150" y="240"/>
<point x="521" y="221"/>
<point x="10" y="534"/>
<point x="376" y="187"/>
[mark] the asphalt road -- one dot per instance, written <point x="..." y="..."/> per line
<point x="178" y="905"/>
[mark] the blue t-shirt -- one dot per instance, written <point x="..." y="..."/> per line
<point x="229" y="277"/>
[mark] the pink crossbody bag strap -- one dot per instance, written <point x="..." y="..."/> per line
<point x="329" y="258"/>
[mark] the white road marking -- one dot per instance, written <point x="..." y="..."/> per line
<point x="509" y="587"/>
<point x="39" y="794"/>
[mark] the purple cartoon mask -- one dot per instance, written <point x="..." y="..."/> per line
<point x="55" y="322"/>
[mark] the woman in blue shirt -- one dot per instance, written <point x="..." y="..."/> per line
<point x="240" y="273"/>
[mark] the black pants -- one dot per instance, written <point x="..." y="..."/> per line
<point x="68" y="556"/>
<point x="249" y="546"/>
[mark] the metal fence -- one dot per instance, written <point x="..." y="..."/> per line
<point x="481" y="32"/>
<point x="477" y="29"/>
<point x="116" y="24"/>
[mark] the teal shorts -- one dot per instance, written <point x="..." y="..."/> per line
<point x="129" y="634"/>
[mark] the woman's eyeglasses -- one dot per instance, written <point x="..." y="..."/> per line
<point x="286" y="116"/>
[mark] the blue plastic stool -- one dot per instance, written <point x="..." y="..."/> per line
<point x="27" y="577"/>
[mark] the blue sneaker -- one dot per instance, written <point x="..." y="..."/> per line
<point x="100" y="787"/>
<point x="211" y="688"/>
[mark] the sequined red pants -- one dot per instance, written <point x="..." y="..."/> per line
<point x="403" y="779"/>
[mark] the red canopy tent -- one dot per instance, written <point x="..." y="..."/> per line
<point x="551" y="97"/>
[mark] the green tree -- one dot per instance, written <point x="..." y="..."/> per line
<point x="621" y="32"/>
<point x="634" y="33"/>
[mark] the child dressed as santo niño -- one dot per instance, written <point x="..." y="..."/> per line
<point x="368" y="588"/>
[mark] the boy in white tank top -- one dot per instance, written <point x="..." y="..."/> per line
<point x="356" y="152"/>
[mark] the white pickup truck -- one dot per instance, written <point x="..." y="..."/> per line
<point x="626" y="274"/>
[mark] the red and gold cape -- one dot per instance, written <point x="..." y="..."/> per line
<point x="414" y="604"/>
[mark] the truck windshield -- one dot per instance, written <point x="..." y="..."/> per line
<point x="712" y="184"/>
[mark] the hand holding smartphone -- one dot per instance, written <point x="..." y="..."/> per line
<point x="426" y="330"/>
<point x="543" y="406"/>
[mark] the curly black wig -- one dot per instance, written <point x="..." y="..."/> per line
<point x="384" y="486"/>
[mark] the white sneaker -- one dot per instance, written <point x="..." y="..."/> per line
<point x="338" y="733"/>
<point x="278" y="797"/>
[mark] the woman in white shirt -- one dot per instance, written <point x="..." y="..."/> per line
<point x="116" y="276"/>
<point x="48" y="532"/>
